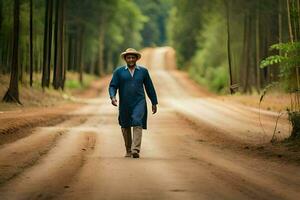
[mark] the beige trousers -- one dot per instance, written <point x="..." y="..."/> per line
<point x="132" y="144"/>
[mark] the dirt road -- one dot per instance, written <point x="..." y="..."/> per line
<point x="196" y="147"/>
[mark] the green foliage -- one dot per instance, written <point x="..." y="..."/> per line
<point x="209" y="65"/>
<point x="120" y="20"/>
<point x="185" y="22"/>
<point x="72" y="81"/>
<point x="289" y="47"/>
<point x="130" y="20"/>
<point x="124" y="30"/>
<point x="288" y="59"/>
<point x="271" y="60"/>
<point x="73" y="84"/>
<point x="196" y="31"/>
<point x="6" y="30"/>
<point x="154" y="31"/>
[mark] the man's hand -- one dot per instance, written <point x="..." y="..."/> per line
<point x="114" y="101"/>
<point x="154" y="109"/>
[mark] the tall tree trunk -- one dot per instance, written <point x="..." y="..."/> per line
<point x="59" y="41"/>
<point x="292" y="40"/>
<point x="70" y="52"/>
<point x="1" y="41"/>
<point x="250" y="55"/>
<point x="298" y="11"/>
<point x="47" y="44"/>
<point x="92" y="65"/>
<point x="31" y="43"/>
<point x="65" y="62"/>
<point x="20" y="64"/>
<point x="50" y="41"/>
<point x="101" y="48"/>
<point x="56" y="68"/>
<point x="80" y="53"/>
<point x="295" y="19"/>
<point x="279" y="2"/>
<point x="227" y="5"/>
<point x="279" y="23"/>
<point x="257" y="44"/>
<point x="12" y="94"/>
<point x="245" y="59"/>
<point x="62" y="41"/>
<point x="289" y="21"/>
<point x="46" y="37"/>
<point x="1" y="17"/>
<point x="9" y="48"/>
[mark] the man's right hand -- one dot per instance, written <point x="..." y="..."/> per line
<point x="114" y="101"/>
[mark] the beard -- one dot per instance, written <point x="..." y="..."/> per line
<point x="130" y="64"/>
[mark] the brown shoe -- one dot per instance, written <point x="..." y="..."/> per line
<point x="128" y="154"/>
<point x="135" y="155"/>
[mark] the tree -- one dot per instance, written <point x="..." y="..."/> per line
<point x="227" y="5"/>
<point x="12" y="94"/>
<point x="288" y="58"/>
<point x="47" y="43"/>
<point x="185" y="26"/>
<point x="154" y="30"/>
<point x="94" y="32"/>
<point x="1" y="5"/>
<point x="58" y="72"/>
<point x="256" y="27"/>
<point x="31" y="43"/>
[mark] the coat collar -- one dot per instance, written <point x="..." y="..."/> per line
<point x="136" y="67"/>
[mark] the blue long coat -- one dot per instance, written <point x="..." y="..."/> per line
<point x="132" y="101"/>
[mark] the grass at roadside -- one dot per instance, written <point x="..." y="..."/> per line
<point x="273" y="101"/>
<point x="37" y="97"/>
<point x="73" y="83"/>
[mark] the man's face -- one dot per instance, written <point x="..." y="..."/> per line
<point x="130" y="59"/>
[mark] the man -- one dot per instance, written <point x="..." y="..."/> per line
<point x="129" y="81"/>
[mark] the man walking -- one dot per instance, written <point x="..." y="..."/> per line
<point x="129" y="81"/>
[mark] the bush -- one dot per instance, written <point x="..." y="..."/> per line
<point x="209" y="65"/>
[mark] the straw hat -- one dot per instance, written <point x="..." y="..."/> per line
<point x="131" y="51"/>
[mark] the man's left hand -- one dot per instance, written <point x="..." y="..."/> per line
<point x="154" y="109"/>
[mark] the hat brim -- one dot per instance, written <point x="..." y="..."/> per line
<point x="134" y="53"/>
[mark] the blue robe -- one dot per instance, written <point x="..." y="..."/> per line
<point x="132" y="101"/>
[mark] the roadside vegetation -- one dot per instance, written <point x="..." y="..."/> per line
<point x="227" y="48"/>
<point x="225" y="45"/>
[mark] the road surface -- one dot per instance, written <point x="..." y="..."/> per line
<point x="195" y="148"/>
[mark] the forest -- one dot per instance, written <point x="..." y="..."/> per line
<point x="228" y="46"/>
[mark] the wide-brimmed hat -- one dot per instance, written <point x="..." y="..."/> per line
<point x="131" y="51"/>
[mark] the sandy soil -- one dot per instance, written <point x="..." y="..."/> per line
<point x="196" y="147"/>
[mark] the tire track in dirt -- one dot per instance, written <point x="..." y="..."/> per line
<point x="54" y="171"/>
<point x="235" y="168"/>
<point x="108" y="175"/>
<point x="24" y="153"/>
<point x="16" y="129"/>
<point x="175" y="165"/>
<point x="16" y="156"/>
<point x="229" y="122"/>
<point x="269" y="183"/>
<point x="243" y="115"/>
